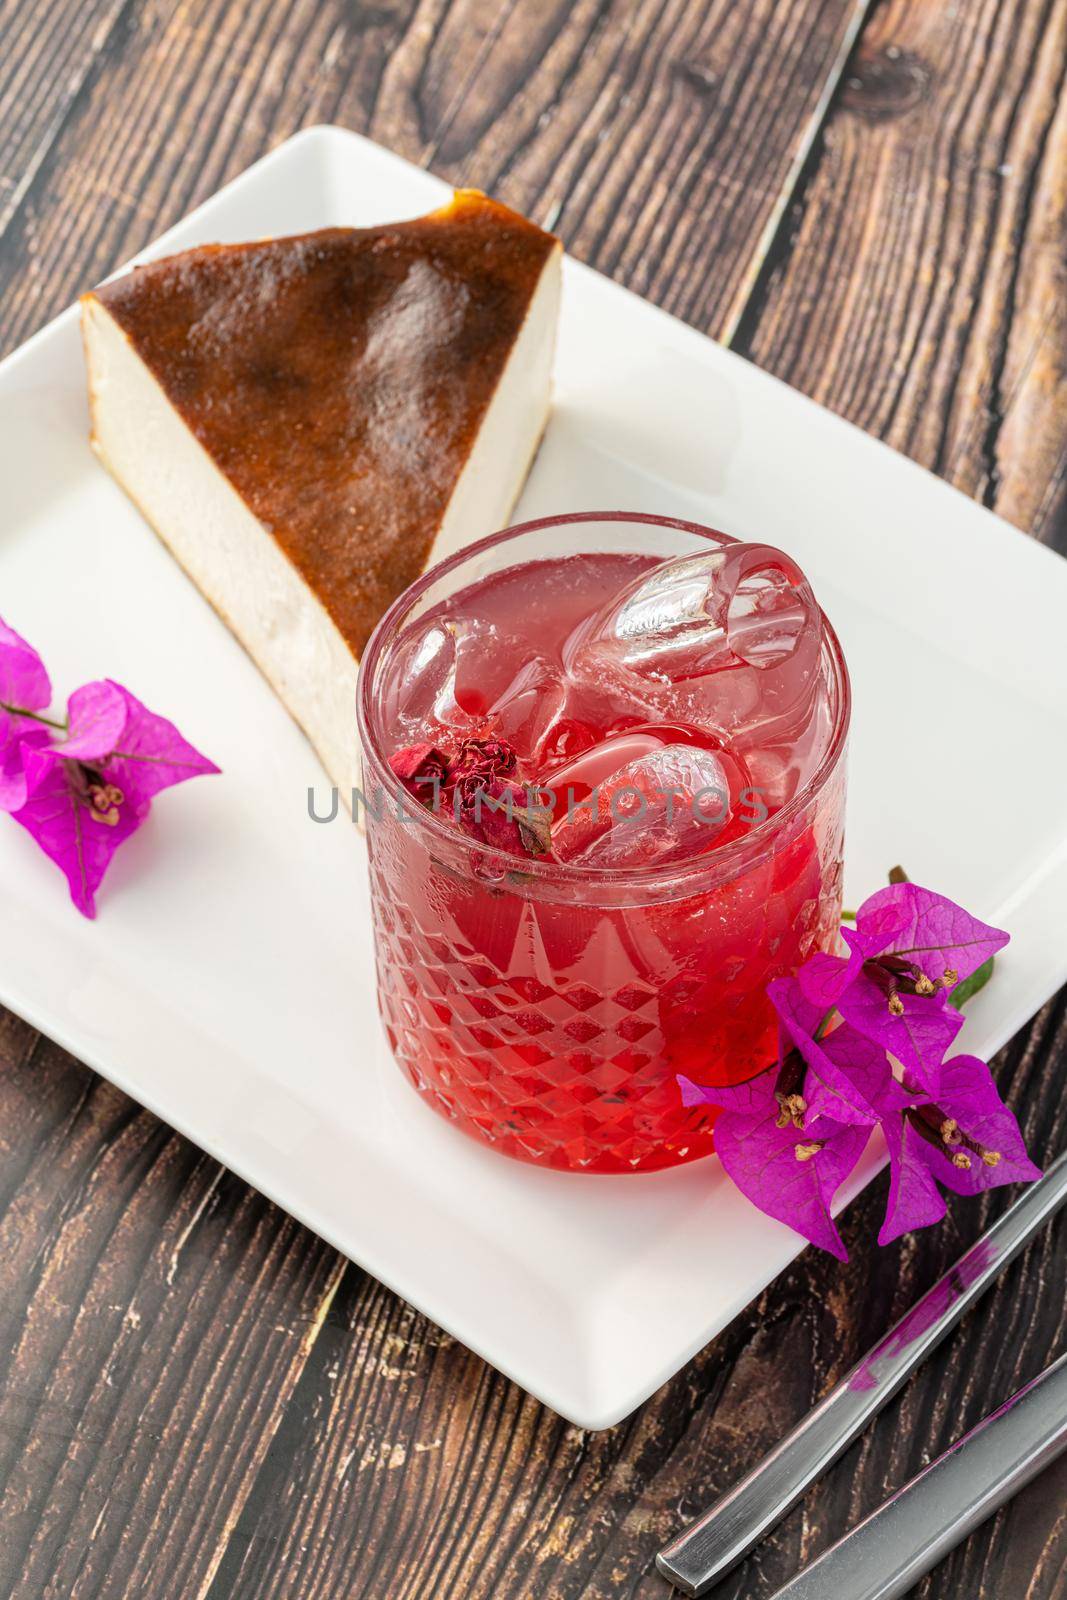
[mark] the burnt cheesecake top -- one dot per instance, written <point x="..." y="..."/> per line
<point x="339" y="379"/>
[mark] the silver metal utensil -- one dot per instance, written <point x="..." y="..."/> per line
<point x="740" y="1518"/>
<point x="891" y="1549"/>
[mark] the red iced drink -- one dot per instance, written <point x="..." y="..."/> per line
<point x="622" y="740"/>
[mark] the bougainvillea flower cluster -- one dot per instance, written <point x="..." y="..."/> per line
<point x="81" y="785"/>
<point x="864" y="1042"/>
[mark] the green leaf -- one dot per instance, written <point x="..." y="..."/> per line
<point x="970" y="986"/>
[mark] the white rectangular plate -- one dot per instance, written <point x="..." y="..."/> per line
<point x="227" y="983"/>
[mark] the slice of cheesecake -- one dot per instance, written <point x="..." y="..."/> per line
<point x="308" y="423"/>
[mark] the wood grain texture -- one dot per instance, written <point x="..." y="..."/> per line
<point x="41" y="81"/>
<point x="922" y="288"/>
<point x="186" y="1409"/>
<point x="659" y="137"/>
<point x="156" y="1317"/>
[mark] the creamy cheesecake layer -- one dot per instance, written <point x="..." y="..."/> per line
<point x="310" y="423"/>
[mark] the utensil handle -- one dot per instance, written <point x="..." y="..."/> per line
<point x="740" y="1518"/>
<point x="887" y="1553"/>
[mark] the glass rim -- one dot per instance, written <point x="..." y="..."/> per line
<point x="717" y="865"/>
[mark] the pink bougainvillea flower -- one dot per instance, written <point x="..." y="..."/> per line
<point x="790" y="1137"/>
<point x="910" y="942"/>
<point x="830" y="1076"/>
<point x="67" y="810"/>
<point x="933" y="932"/>
<point x="790" y="1174"/>
<point x="90" y="792"/>
<point x="918" y="1036"/>
<point x="967" y="1142"/>
<point x="908" y="951"/>
<point x="24" y="683"/>
<point x="137" y="750"/>
<point x="24" y="690"/>
<point x="13" y="765"/>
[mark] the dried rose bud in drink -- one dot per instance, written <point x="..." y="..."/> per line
<point x="638" y="826"/>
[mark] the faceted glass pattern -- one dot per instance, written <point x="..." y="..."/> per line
<point x="554" y="1031"/>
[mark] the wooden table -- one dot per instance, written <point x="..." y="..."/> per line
<point x="200" y="1399"/>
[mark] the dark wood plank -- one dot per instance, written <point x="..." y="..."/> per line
<point x="183" y="99"/>
<point x="921" y="287"/>
<point x="156" y="1316"/>
<point x="50" y="52"/>
<point x="658" y="137"/>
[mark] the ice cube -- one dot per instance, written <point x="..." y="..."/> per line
<point x="422" y="686"/>
<point x="530" y="711"/>
<point x="662" y="805"/>
<point x="436" y="683"/>
<point x="776" y="774"/>
<point x="594" y="765"/>
<point x="728" y="639"/>
<point x="659" y="626"/>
